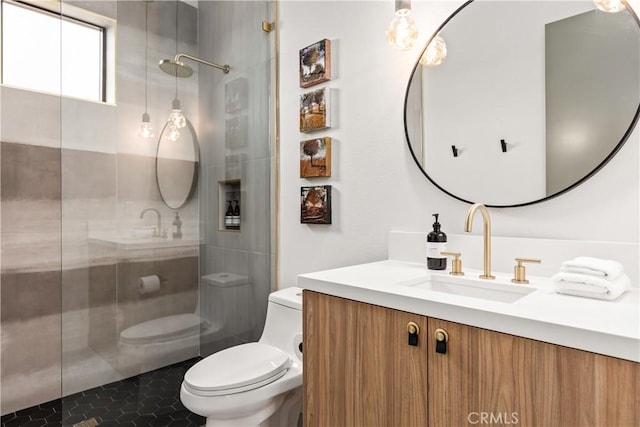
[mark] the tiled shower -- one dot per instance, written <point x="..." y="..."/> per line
<point x="75" y="178"/>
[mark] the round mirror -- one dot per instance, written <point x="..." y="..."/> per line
<point x="177" y="164"/>
<point x="532" y="99"/>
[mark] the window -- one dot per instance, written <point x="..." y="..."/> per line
<point x="49" y="52"/>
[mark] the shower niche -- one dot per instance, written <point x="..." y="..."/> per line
<point x="230" y="205"/>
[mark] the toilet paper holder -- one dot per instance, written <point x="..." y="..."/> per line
<point x="150" y="284"/>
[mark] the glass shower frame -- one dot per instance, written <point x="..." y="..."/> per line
<point x="102" y="178"/>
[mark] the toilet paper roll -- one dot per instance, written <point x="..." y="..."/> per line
<point x="148" y="284"/>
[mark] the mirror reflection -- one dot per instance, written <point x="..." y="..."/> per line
<point x="532" y="98"/>
<point x="177" y="165"/>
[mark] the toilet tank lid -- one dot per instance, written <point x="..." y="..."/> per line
<point x="224" y="279"/>
<point x="289" y="297"/>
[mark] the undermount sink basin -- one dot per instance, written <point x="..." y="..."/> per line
<point x="141" y="239"/>
<point x="474" y="288"/>
<point x="142" y="242"/>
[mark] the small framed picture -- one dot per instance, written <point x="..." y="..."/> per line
<point x="315" y="205"/>
<point x="315" y="158"/>
<point x="315" y="110"/>
<point x="315" y="63"/>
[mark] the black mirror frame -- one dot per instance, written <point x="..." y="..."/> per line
<point x="606" y="160"/>
<point x="194" y="179"/>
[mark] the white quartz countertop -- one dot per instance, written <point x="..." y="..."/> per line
<point x="606" y="327"/>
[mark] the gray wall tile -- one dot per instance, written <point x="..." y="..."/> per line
<point x="137" y="178"/>
<point x="30" y="356"/>
<point x="30" y="117"/>
<point x="229" y="32"/>
<point x="26" y="296"/>
<point x="88" y="175"/>
<point x="30" y="172"/>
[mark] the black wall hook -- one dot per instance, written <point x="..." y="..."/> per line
<point x="454" y="150"/>
<point x="503" y="145"/>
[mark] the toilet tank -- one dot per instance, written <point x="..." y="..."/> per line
<point x="224" y="280"/>
<point x="283" y="327"/>
<point x="220" y="294"/>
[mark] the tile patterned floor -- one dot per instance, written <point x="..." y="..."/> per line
<point x="147" y="400"/>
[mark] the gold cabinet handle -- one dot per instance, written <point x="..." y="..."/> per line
<point x="442" y="335"/>
<point x="456" y="265"/>
<point x="413" y="330"/>
<point x="519" y="272"/>
<point x="442" y="338"/>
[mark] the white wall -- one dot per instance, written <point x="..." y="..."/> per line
<point x="376" y="185"/>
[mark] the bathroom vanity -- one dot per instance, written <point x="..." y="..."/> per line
<point x="385" y="345"/>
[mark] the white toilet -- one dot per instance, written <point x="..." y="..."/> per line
<point x="254" y="384"/>
<point x="166" y="340"/>
<point x="160" y="342"/>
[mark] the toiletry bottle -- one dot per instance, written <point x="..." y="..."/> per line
<point x="177" y="223"/>
<point x="228" y="216"/>
<point x="236" y="216"/>
<point x="436" y="243"/>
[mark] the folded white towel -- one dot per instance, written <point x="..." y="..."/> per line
<point x="593" y="266"/>
<point x="585" y="285"/>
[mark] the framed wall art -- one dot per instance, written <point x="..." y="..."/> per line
<point x="315" y="63"/>
<point x="315" y="205"/>
<point x="315" y="158"/>
<point x="315" y="110"/>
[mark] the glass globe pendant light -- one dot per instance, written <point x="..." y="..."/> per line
<point x="435" y="53"/>
<point x="146" y="131"/>
<point x="609" y="6"/>
<point x="177" y="118"/>
<point x="402" y="31"/>
<point x="172" y="132"/>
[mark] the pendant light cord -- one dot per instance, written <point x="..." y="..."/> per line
<point x="176" y="95"/>
<point x="146" y="52"/>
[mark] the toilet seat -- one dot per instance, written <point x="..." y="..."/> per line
<point x="163" y="329"/>
<point x="237" y="369"/>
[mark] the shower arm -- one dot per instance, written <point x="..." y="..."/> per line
<point x="225" y="68"/>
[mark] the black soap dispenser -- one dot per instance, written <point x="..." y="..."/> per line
<point x="436" y="243"/>
<point x="177" y="223"/>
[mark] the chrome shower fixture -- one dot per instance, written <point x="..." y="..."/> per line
<point x="177" y="68"/>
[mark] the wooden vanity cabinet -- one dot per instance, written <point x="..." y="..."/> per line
<point x="358" y="368"/>
<point x="526" y="382"/>
<point x="360" y="371"/>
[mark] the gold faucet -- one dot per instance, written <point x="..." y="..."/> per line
<point x="157" y="231"/>
<point x="487" y="235"/>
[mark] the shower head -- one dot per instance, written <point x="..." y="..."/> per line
<point x="177" y="68"/>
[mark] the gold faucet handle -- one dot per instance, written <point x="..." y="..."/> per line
<point x="456" y="266"/>
<point x="519" y="272"/>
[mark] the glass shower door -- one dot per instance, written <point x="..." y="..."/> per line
<point x="130" y="323"/>
<point x="109" y="291"/>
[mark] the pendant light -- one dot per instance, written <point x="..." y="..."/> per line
<point x="146" y="131"/>
<point x="435" y="53"/>
<point x="610" y="6"/>
<point x="176" y="119"/>
<point x="402" y="31"/>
